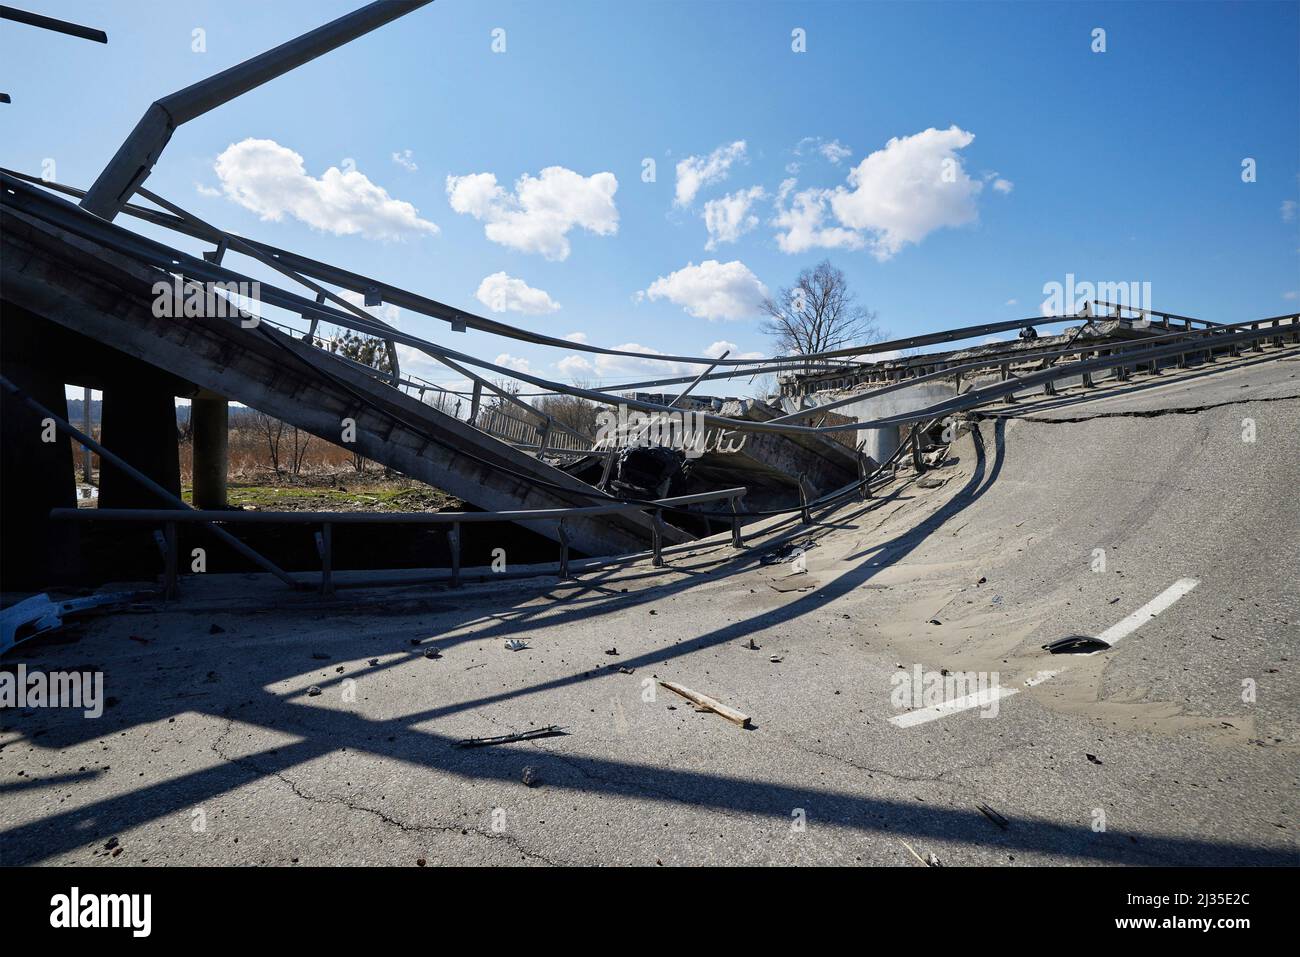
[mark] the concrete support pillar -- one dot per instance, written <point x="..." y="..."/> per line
<point x="209" y="417"/>
<point x="139" y="424"/>
<point x="36" y="475"/>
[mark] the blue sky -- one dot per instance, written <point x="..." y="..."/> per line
<point x="1115" y="166"/>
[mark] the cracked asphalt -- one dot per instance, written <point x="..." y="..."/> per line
<point x="1178" y="745"/>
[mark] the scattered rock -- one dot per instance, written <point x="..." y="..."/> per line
<point x="419" y="862"/>
<point x="776" y="659"/>
<point x="1093" y="758"/>
<point x="313" y="691"/>
<point x="516" y="644"/>
<point x="530" y="777"/>
<point x="611" y="651"/>
<point x="374" y="661"/>
<point x="433" y="653"/>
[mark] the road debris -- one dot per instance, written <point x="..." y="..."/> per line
<point x="706" y="703"/>
<point x="38" y="614"/>
<point x="785" y="584"/>
<point x="786" y="553"/>
<point x="1075" y="645"/>
<point x="929" y="860"/>
<point x="313" y="691"/>
<point x="530" y="777"/>
<point x="1093" y="758"/>
<point x="433" y="653"/>
<point x="993" y="816"/>
<point x="750" y="645"/>
<point x="516" y="644"/>
<point x="776" y="659"/>
<point x="550" y="731"/>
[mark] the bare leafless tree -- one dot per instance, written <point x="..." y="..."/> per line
<point x="818" y="313"/>
<point x="571" y="410"/>
<point x="272" y="430"/>
<point x="298" y="451"/>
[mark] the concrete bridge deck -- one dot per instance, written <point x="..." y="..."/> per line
<point x="1146" y="754"/>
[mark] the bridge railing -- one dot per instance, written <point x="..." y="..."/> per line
<point x="169" y="519"/>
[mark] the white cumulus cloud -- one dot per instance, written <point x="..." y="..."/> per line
<point x="801" y="224"/>
<point x="513" y="362"/>
<point x="272" y="181"/>
<point x="904" y="192"/>
<point x="730" y="217"/>
<point x="503" y="293"/>
<point x="696" y="172"/>
<point x="712" y="290"/>
<point x="834" y="151"/>
<point x="406" y="160"/>
<point x="538" y="216"/>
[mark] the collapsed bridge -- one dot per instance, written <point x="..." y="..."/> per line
<point x="81" y="296"/>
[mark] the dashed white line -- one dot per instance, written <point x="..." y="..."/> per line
<point x="1110" y="636"/>
<point x="1155" y="606"/>
<point x="979" y="699"/>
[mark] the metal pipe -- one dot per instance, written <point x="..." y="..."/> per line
<point x="191" y="516"/>
<point x="49" y="23"/>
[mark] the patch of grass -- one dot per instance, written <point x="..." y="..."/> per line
<point x="363" y="496"/>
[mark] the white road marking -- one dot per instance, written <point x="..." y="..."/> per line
<point x="1110" y="636"/>
<point x="979" y="699"/>
<point x="1155" y="606"/>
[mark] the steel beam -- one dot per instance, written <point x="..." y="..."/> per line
<point x="135" y="158"/>
<point x="49" y="23"/>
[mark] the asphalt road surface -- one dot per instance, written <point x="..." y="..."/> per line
<point x="1177" y="744"/>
